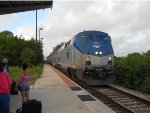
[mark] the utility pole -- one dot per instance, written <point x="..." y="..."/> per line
<point x="36" y="51"/>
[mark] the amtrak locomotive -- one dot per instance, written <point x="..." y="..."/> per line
<point x="89" y="56"/>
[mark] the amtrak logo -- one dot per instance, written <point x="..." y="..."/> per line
<point x="96" y="46"/>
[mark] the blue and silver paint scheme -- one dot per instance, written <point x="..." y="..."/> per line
<point x="89" y="55"/>
<point x="96" y="48"/>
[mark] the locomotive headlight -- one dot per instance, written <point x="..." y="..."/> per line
<point x="88" y="58"/>
<point x="96" y="52"/>
<point x="100" y="53"/>
<point x="109" y="57"/>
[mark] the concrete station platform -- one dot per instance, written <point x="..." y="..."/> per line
<point x="59" y="94"/>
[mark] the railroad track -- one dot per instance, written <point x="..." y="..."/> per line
<point x="116" y="99"/>
<point x="132" y="102"/>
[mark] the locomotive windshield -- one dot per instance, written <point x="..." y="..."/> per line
<point x="94" y="43"/>
<point x="102" y="38"/>
<point x="86" y="37"/>
<point x="90" y="37"/>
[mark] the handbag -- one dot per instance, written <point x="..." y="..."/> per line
<point x="14" y="88"/>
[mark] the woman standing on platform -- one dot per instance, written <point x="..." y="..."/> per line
<point x="24" y="79"/>
<point x="5" y="82"/>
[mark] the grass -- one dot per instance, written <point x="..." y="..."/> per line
<point x="35" y="73"/>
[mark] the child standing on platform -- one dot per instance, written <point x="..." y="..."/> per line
<point x="24" y="79"/>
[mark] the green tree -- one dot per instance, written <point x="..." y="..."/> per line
<point x="27" y="56"/>
<point x="133" y="71"/>
<point x="12" y="46"/>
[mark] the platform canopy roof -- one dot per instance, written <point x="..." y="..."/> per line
<point x="7" y="7"/>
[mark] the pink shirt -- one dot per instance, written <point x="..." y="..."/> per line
<point x="25" y="79"/>
<point x="5" y="82"/>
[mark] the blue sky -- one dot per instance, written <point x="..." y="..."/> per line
<point x="127" y="22"/>
<point x="28" y="17"/>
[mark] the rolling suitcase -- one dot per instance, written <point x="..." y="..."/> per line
<point x="32" y="106"/>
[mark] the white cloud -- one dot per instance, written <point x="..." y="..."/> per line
<point x="7" y="19"/>
<point x="122" y="20"/>
<point x="26" y="31"/>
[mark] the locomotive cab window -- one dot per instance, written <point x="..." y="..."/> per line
<point x="106" y="38"/>
<point x="86" y="37"/>
<point x="102" y="37"/>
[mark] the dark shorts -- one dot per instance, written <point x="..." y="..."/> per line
<point x="24" y="88"/>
